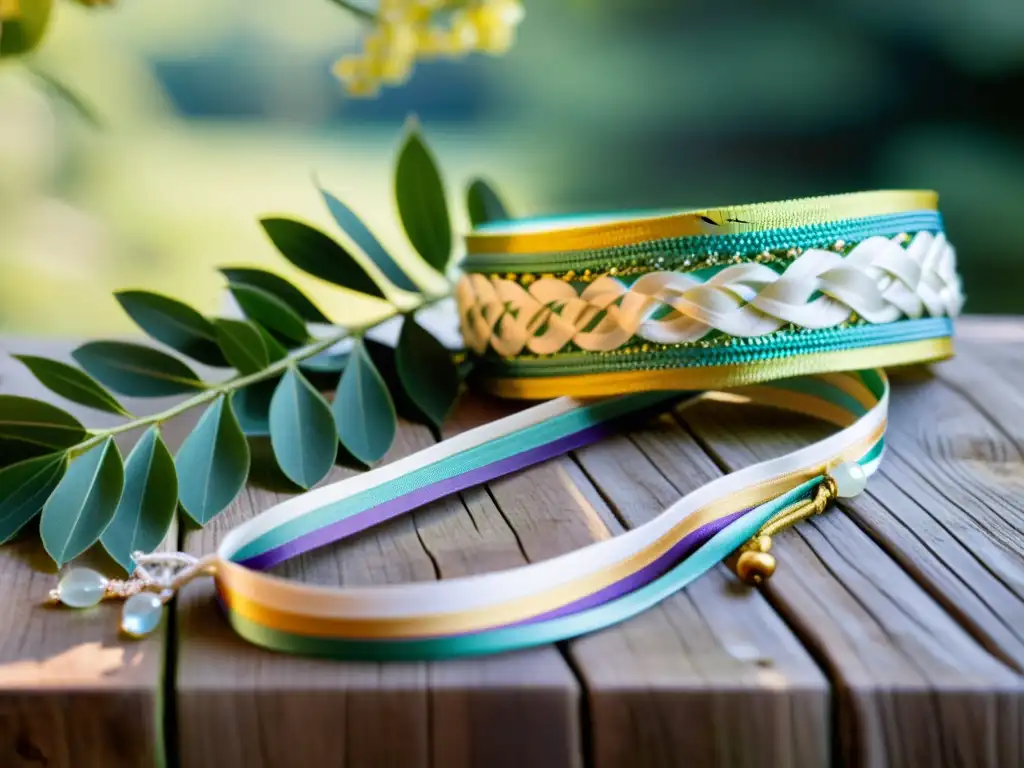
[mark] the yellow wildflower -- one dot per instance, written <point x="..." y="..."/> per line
<point x="407" y="30"/>
<point x="496" y="24"/>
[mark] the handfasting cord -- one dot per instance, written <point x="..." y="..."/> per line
<point x="796" y="305"/>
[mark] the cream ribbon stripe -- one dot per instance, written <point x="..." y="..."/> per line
<point x="467" y="594"/>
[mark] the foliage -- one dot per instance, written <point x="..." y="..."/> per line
<point x="403" y="31"/>
<point x="282" y="353"/>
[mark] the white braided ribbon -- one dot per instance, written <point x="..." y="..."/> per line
<point x="878" y="279"/>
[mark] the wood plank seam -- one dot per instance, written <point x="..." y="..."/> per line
<point x="73" y="692"/>
<point x="830" y="563"/>
<point x="850" y="513"/>
<point x="996" y="689"/>
<point x="899" y="482"/>
<point x="1001" y="519"/>
<point x="586" y="725"/>
<point x="941" y="595"/>
<point x="794" y="708"/>
<point x="987" y="521"/>
<point x="726" y="572"/>
<point x="450" y="707"/>
<point x="855" y="510"/>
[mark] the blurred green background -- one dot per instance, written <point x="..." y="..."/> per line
<point x="218" y="111"/>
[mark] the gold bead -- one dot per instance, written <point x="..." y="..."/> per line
<point x="755" y="567"/>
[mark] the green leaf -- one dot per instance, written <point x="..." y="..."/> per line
<point x="68" y="381"/>
<point x="13" y="451"/>
<point x="23" y="33"/>
<point x="242" y="344"/>
<point x="427" y="371"/>
<point x="135" y="370"/>
<point x="383" y="357"/>
<point x="24" y="488"/>
<point x="484" y="204"/>
<point x="363" y="411"/>
<point x="252" y="406"/>
<point x="302" y="430"/>
<point x="270" y="312"/>
<point x="212" y="463"/>
<point x="147" y="505"/>
<point x="314" y="252"/>
<point x="84" y="502"/>
<point x="275" y="349"/>
<point x="326" y="362"/>
<point x="364" y="239"/>
<point x="421" y="203"/>
<point x="23" y="418"/>
<point x="278" y="286"/>
<point x="175" y="324"/>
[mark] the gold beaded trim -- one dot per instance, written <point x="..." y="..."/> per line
<point x="781" y="257"/>
<point x="854" y="320"/>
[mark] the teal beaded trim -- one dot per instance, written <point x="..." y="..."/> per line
<point x="725" y="351"/>
<point x="673" y="253"/>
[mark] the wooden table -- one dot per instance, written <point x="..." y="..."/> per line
<point x="891" y="635"/>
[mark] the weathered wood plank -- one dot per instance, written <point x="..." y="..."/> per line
<point x="73" y="692"/>
<point x="915" y="687"/>
<point x="710" y="676"/>
<point x="515" y="709"/>
<point x="911" y="601"/>
<point x="988" y="370"/>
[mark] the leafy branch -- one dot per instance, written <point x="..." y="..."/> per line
<point x="284" y="355"/>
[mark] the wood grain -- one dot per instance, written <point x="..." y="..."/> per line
<point x="891" y="635"/>
<point x="238" y="704"/>
<point x="73" y="692"/>
<point x="711" y="676"/>
<point x="914" y="686"/>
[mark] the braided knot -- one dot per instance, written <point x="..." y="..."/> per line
<point x="878" y="279"/>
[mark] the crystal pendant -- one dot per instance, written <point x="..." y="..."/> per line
<point x="81" y="588"/>
<point x="141" y="613"/>
<point x="850" y="479"/>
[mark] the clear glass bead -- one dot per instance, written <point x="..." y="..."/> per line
<point x="81" y="588"/>
<point x="850" y="479"/>
<point x="141" y="614"/>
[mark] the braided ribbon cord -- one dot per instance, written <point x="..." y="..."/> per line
<point x="878" y="280"/>
<point x="904" y="290"/>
